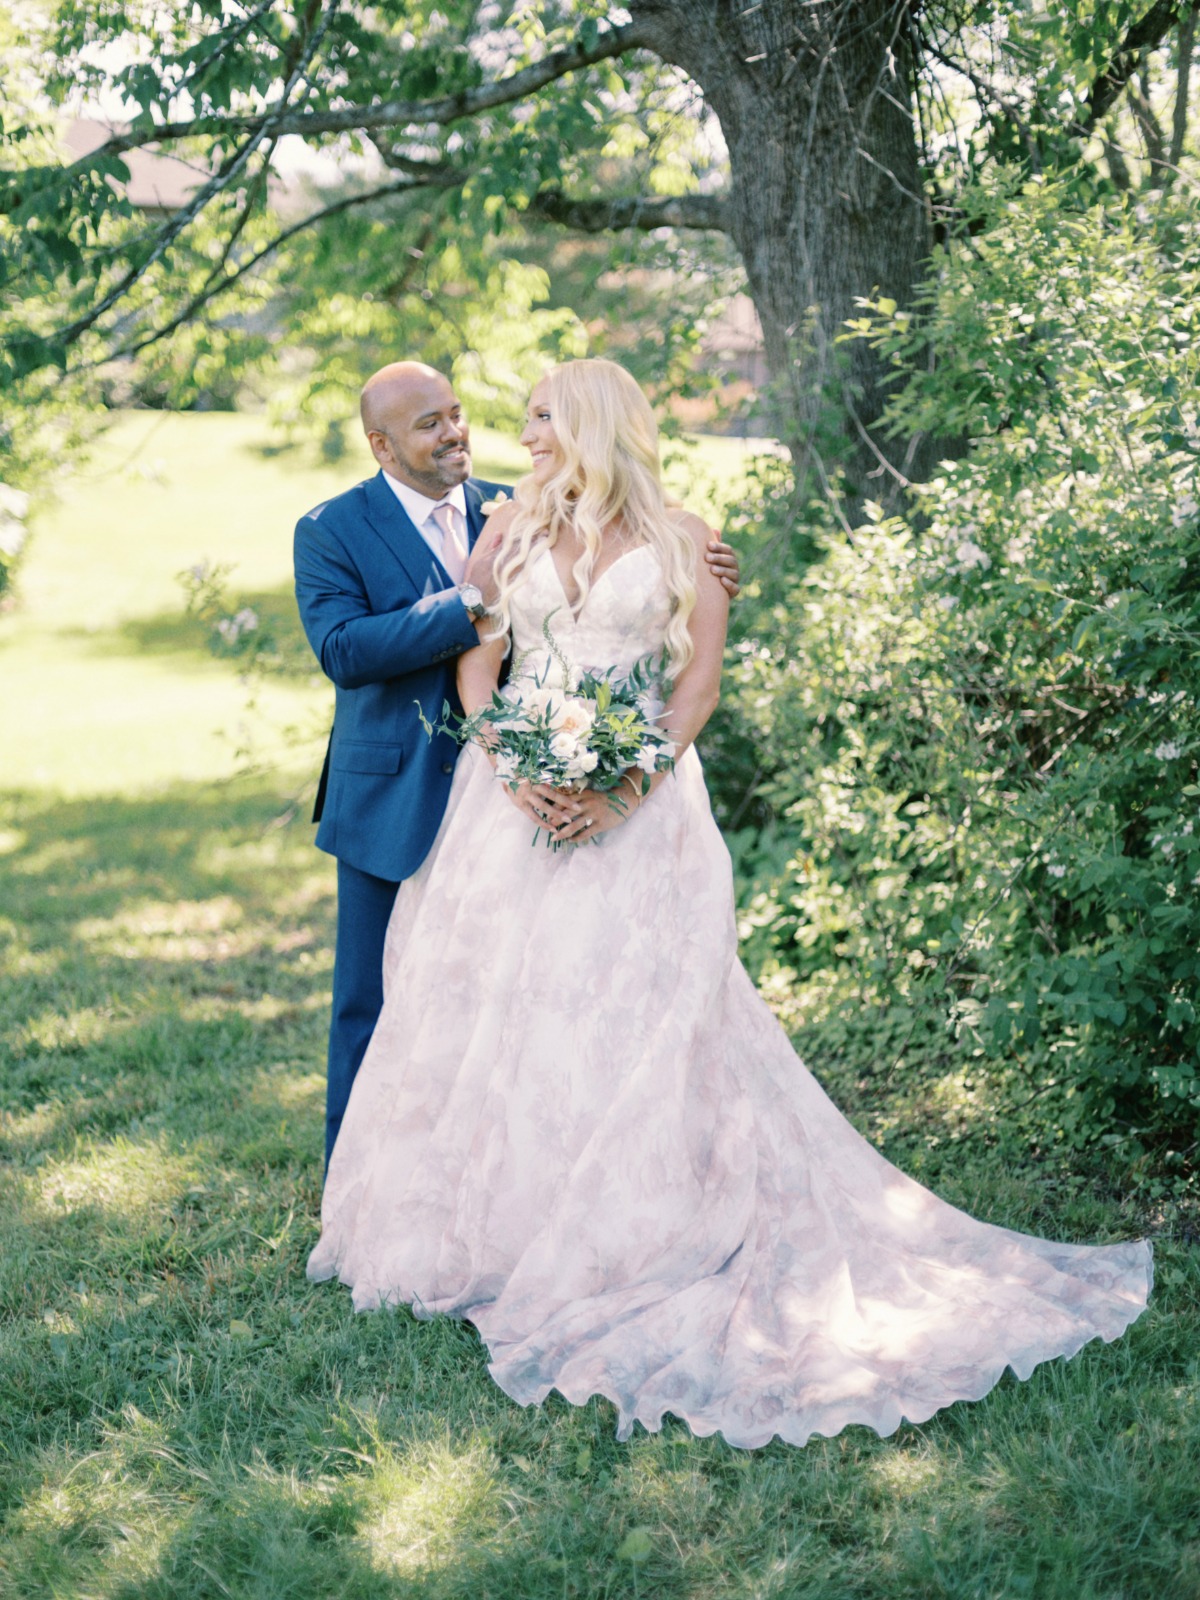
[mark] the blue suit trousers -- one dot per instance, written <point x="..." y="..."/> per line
<point x="364" y="906"/>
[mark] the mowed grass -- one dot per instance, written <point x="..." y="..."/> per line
<point x="181" y="1414"/>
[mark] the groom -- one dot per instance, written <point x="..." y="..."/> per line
<point x="379" y="584"/>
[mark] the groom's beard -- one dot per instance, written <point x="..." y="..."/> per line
<point x="454" y="459"/>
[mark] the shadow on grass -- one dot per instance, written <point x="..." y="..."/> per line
<point x="183" y="1415"/>
<point x="158" y="954"/>
<point x="174" y="633"/>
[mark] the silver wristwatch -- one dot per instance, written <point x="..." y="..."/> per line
<point x="472" y="600"/>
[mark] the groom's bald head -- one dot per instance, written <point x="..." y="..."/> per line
<point x="416" y="427"/>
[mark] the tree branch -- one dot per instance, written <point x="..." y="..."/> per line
<point x="390" y="113"/>
<point x="1179" y="118"/>
<point x="1012" y="108"/>
<point x="639" y="211"/>
<point x="215" y="185"/>
<point x="1139" y="99"/>
<point x="1143" y="35"/>
<point x="216" y="285"/>
<point x="1118" y="167"/>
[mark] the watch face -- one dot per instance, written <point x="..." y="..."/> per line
<point x="471" y="596"/>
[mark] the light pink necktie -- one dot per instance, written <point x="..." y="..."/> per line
<point x="454" y="549"/>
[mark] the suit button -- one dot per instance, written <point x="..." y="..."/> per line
<point x="447" y="767"/>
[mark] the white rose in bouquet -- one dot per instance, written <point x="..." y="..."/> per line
<point x="536" y="700"/>
<point x="565" y="746"/>
<point x="574" y="716"/>
<point x="649" y="756"/>
<point x="584" y="761"/>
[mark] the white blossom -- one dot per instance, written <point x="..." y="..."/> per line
<point x="969" y="555"/>
<point x="231" y="629"/>
<point x="572" y="715"/>
<point x="565" y="746"/>
<point x="1057" y="871"/>
<point x="14" y="507"/>
<point x="12" y="536"/>
<point x="1169" y="750"/>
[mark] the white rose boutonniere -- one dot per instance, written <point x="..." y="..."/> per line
<point x="488" y="506"/>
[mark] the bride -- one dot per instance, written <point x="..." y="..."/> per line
<point x="577" y="1123"/>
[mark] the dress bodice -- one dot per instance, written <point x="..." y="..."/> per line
<point x="622" y="620"/>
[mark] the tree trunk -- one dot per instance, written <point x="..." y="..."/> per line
<point x="814" y="101"/>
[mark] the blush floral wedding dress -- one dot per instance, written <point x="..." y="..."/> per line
<point x="579" y="1126"/>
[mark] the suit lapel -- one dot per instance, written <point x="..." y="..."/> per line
<point x="475" y="518"/>
<point x="399" y="533"/>
<point x="397" y="530"/>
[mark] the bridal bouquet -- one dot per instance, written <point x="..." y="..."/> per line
<point x="584" y="734"/>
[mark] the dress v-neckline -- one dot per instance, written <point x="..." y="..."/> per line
<point x="562" y="588"/>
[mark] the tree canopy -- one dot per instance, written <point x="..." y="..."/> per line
<point x="814" y="152"/>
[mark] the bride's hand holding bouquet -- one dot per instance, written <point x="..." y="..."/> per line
<point x="576" y="755"/>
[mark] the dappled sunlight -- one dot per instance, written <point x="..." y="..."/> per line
<point x="105" y="1515"/>
<point x="19" y="961"/>
<point x="11" y="840"/>
<point x="293" y="1090"/>
<point x="66" y="1031"/>
<point x="909" y="1474"/>
<point x="122" y="1178"/>
<point x="430" y="1502"/>
<point x="34" y="1129"/>
<point x="173" y="930"/>
<point x="222" y="1000"/>
<point x="666" y="1484"/>
<point x="52" y="856"/>
<point x="272" y="1008"/>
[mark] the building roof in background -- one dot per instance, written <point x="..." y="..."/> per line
<point x="156" y="181"/>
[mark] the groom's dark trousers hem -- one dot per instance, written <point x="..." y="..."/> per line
<point x="363" y="908"/>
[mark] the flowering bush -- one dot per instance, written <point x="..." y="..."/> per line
<point x="14" y="508"/>
<point x="978" y="725"/>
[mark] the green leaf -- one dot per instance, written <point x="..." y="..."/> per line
<point x="637" y="1545"/>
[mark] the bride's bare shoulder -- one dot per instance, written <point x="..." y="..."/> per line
<point x="695" y="527"/>
<point x="499" y="516"/>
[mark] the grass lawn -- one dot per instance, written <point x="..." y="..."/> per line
<point x="181" y="1415"/>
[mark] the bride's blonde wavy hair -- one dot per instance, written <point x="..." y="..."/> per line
<point x="610" y="474"/>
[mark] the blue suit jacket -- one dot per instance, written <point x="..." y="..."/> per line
<point x="387" y="626"/>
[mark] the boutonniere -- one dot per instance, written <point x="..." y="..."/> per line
<point x="488" y="506"/>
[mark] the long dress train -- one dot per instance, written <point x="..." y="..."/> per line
<point x="580" y="1126"/>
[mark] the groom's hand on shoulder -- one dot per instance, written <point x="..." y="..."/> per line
<point x="494" y="528"/>
<point x="722" y="559"/>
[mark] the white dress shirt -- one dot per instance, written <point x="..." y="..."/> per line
<point x="420" y="510"/>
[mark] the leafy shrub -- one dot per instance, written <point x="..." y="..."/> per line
<point x="975" y="727"/>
